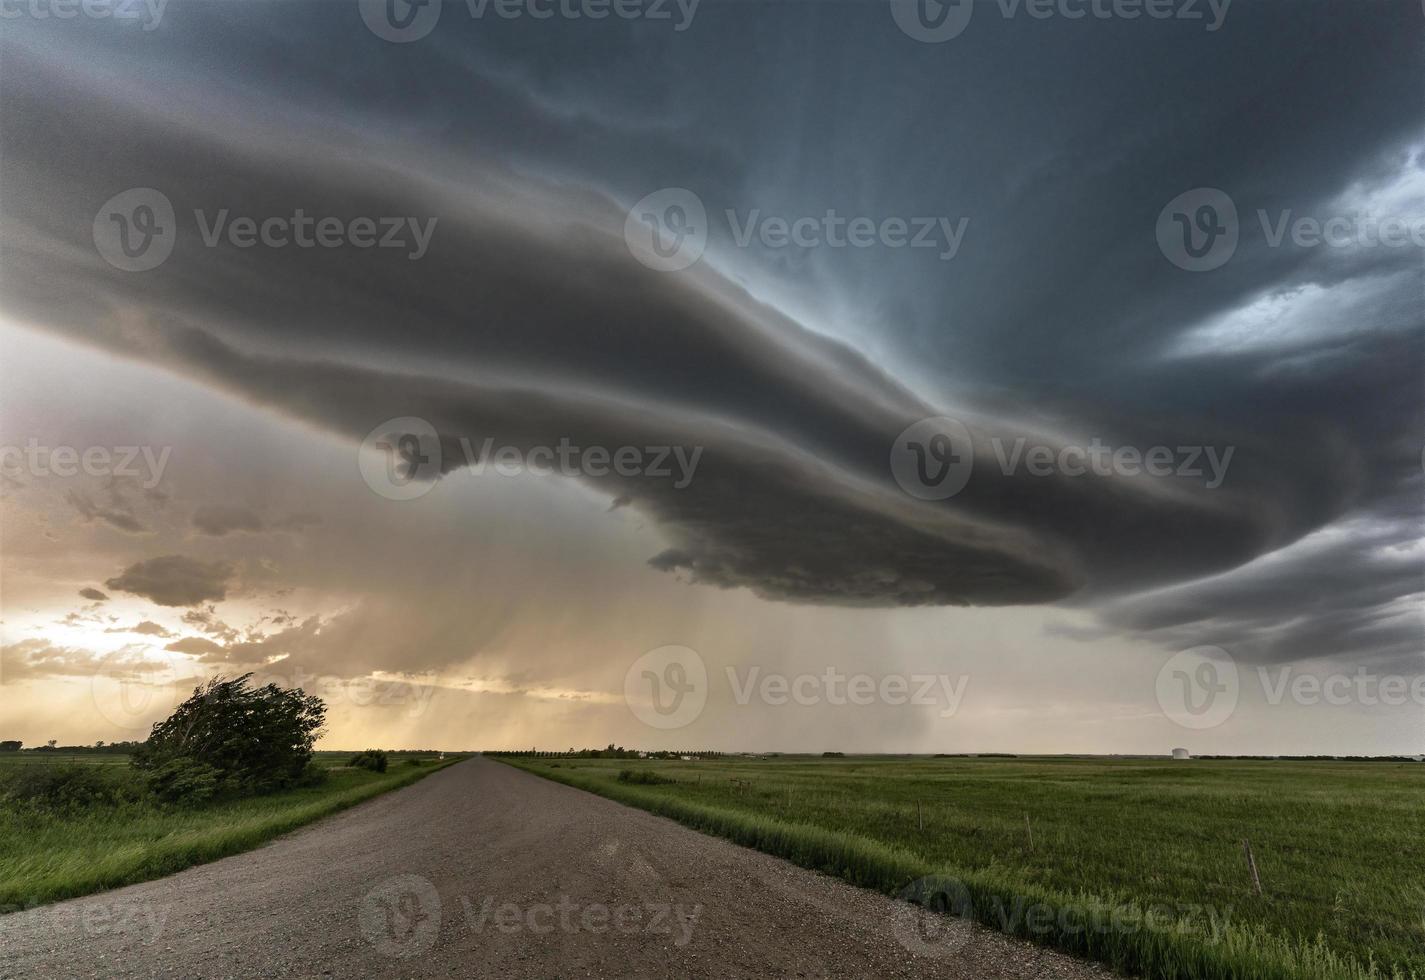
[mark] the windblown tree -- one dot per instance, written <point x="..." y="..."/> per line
<point x="230" y="737"/>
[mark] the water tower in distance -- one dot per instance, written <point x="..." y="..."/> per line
<point x="1181" y="754"/>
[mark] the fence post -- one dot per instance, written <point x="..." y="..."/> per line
<point x="1252" y="865"/>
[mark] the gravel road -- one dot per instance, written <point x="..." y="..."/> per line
<point x="481" y="870"/>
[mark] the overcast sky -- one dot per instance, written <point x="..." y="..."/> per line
<point x="1046" y="377"/>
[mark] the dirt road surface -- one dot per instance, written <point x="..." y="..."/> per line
<point x="481" y="870"/>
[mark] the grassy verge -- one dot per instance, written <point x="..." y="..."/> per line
<point x="45" y="858"/>
<point x="1133" y="865"/>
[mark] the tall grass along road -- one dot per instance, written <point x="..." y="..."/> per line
<point x="484" y="870"/>
<point x="50" y="853"/>
<point x="1254" y="870"/>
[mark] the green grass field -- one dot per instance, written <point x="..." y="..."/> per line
<point x="1340" y="848"/>
<point x="44" y="858"/>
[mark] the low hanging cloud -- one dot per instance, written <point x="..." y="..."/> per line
<point x="206" y="619"/>
<point x="36" y="658"/>
<point x="94" y="594"/>
<point x="147" y="628"/>
<point x="175" y="580"/>
<point x="116" y="512"/>
<point x="198" y="646"/>
<point x="1360" y="580"/>
<point x="255" y="648"/>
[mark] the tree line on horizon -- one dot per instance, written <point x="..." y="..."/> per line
<point x="610" y="752"/>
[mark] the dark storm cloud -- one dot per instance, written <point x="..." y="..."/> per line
<point x="175" y="580"/>
<point x="93" y="594"/>
<point x="568" y="337"/>
<point x="528" y="320"/>
<point x="1354" y="588"/>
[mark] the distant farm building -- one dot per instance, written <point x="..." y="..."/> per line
<point x="1181" y="754"/>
